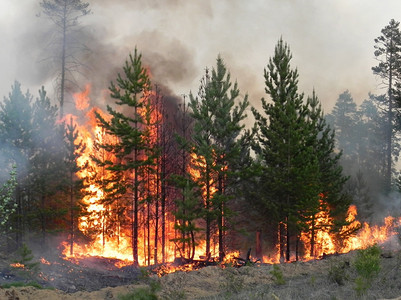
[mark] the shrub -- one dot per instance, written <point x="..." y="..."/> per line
<point x="367" y="265"/>
<point x="278" y="276"/>
<point x="143" y="293"/>
<point x="26" y="267"/>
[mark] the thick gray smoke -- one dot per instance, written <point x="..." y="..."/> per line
<point x="331" y="42"/>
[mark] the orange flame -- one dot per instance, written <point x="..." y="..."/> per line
<point x="82" y="99"/>
<point x="117" y="241"/>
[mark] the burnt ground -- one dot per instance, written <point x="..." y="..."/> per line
<point x="89" y="274"/>
<point x="333" y="277"/>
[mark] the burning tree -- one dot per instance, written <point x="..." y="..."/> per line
<point x="218" y="137"/>
<point x="130" y="125"/>
<point x="296" y="153"/>
<point x="74" y="149"/>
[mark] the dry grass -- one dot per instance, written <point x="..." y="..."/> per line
<point x="331" y="278"/>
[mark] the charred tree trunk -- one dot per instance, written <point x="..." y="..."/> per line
<point x="43" y="221"/>
<point x="312" y="238"/>
<point x="220" y="219"/>
<point x="63" y="62"/>
<point x="148" y="229"/>
<point x="390" y="124"/>
<point x="258" y="248"/>
<point x="156" y="221"/>
<point x="71" y="214"/>
<point x="288" y="238"/>
<point x="193" y="244"/>
<point x="281" y="240"/>
<point x="135" y="215"/>
<point x="208" y="218"/>
<point x="163" y="220"/>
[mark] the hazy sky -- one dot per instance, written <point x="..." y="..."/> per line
<point x="331" y="42"/>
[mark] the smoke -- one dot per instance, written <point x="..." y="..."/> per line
<point x="332" y="43"/>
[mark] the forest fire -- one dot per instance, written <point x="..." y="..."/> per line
<point x="111" y="237"/>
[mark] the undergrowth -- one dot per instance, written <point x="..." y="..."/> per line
<point x="367" y="265"/>
<point x="278" y="276"/>
<point x="143" y="293"/>
<point x="21" y="284"/>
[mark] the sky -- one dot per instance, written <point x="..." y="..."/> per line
<point x="331" y="42"/>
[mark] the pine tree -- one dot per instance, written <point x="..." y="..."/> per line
<point x="218" y="132"/>
<point x="128" y="125"/>
<point x="331" y="180"/>
<point x="65" y="14"/>
<point x="344" y="119"/>
<point x="188" y="210"/>
<point x="17" y="148"/>
<point x="388" y="53"/>
<point x="8" y="205"/>
<point x="296" y="153"/>
<point x="46" y="163"/>
<point x="74" y="150"/>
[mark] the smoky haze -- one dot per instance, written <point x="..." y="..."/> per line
<point x="331" y="43"/>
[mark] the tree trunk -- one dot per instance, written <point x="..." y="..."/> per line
<point x="208" y="220"/>
<point x="71" y="214"/>
<point x="281" y="240"/>
<point x="220" y="219"/>
<point x="288" y="241"/>
<point x="63" y="62"/>
<point x="258" y="248"/>
<point x="390" y="123"/>
<point x="135" y="216"/>
<point x="312" y="239"/>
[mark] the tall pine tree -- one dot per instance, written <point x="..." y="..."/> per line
<point x="218" y="139"/>
<point x="388" y="53"/>
<point x="132" y="150"/>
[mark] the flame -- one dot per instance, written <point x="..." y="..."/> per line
<point x="82" y="99"/>
<point x="44" y="261"/>
<point x="351" y="237"/>
<point x="17" y="265"/>
<point x="111" y="237"/>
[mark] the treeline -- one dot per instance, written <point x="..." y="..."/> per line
<point x="369" y="134"/>
<point x="201" y="169"/>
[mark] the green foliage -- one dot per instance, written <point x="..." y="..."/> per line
<point x="388" y="54"/>
<point x="139" y="294"/>
<point x="30" y="268"/>
<point x="130" y="135"/>
<point x="219" y="143"/>
<point x="21" y="284"/>
<point x="278" y="276"/>
<point x="367" y="265"/>
<point x="188" y="209"/>
<point x="8" y="204"/>
<point x="143" y="293"/>
<point x="32" y="142"/>
<point x="295" y="148"/>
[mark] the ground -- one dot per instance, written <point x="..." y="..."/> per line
<point x="333" y="277"/>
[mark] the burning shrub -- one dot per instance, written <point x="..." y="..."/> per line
<point x="24" y="264"/>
